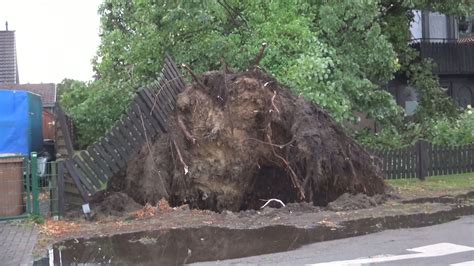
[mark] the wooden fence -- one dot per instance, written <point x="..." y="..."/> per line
<point x="146" y="119"/>
<point x="425" y="159"/>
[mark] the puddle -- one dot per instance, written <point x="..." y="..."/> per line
<point x="188" y="245"/>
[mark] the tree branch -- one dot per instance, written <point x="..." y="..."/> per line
<point x="225" y="66"/>
<point x="193" y="75"/>
<point x="260" y="55"/>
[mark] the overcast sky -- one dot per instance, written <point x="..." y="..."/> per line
<point x="55" y="39"/>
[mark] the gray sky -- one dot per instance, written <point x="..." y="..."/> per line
<point x="55" y="39"/>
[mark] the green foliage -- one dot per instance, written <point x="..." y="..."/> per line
<point x="453" y="132"/>
<point x="317" y="47"/>
<point x="434" y="103"/>
<point x="313" y="75"/>
<point x="390" y="137"/>
<point x="68" y="85"/>
<point x="338" y="54"/>
<point x="95" y="106"/>
<point x="437" y="130"/>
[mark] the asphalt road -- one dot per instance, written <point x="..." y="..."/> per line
<point x="445" y="244"/>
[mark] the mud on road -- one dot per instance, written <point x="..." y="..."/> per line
<point x="393" y="213"/>
<point x="210" y="243"/>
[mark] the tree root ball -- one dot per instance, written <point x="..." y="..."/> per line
<point x="236" y="139"/>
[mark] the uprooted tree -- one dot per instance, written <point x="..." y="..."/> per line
<point x="237" y="138"/>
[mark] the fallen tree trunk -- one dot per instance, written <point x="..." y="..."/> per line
<point x="238" y="138"/>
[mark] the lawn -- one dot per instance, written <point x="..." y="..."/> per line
<point x="436" y="183"/>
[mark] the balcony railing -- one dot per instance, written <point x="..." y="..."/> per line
<point x="450" y="56"/>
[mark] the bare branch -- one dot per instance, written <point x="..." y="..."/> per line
<point x="259" y="57"/>
<point x="225" y="66"/>
<point x="144" y="129"/>
<point x="193" y="75"/>
<point x="155" y="97"/>
<point x="233" y="13"/>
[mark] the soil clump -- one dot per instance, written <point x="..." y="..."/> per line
<point x="347" y="202"/>
<point x="114" y="204"/>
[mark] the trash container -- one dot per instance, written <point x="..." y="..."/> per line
<point x="50" y="149"/>
<point x="11" y="186"/>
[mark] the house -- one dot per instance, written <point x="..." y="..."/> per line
<point x="449" y="42"/>
<point x="9" y="80"/>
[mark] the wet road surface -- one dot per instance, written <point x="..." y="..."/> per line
<point x="189" y="245"/>
<point x="453" y="239"/>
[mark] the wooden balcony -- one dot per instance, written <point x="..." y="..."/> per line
<point x="451" y="57"/>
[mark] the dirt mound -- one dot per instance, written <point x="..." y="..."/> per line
<point x="238" y="138"/>
<point x="349" y="201"/>
<point x="115" y="204"/>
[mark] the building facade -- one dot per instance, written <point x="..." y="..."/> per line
<point x="449" y="42"/>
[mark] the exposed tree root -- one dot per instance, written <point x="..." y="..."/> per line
<point x="185" y="131"/>
<point x="180" y="157"/>
<point x="294" y="178"/>
<point x="273" y="102"/>
<point x="256" y="140"/>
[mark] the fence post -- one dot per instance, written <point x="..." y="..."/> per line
<point x="27" y="171"/>
<point x="53" y="189"/>
<point x="422" y="159"/>
<point x="61" y="195"/>
<point x="35" y="182"/>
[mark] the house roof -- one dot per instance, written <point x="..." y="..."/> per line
<point x="8" y="60"/>
<point x="47" y="91"/>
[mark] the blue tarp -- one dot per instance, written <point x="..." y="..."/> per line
<point x="20" y="122"/>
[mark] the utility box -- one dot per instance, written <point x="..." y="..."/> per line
<point x="21" y="130"/>
<point x="11" y="186"/>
